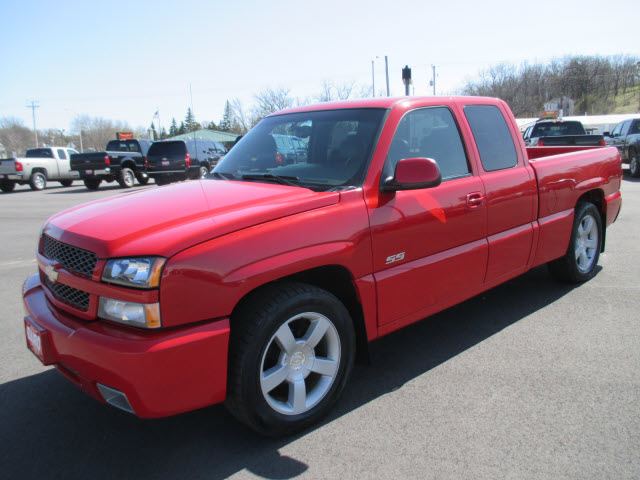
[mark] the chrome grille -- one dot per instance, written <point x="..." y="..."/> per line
<point x="72" y="258"/>
<point x="73" y="296"/>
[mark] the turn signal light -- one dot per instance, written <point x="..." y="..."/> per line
<point x="19" y="167"/>
<point x="187" y="160"/>
<point x="107" y="160"/>
<point x="540" y="143"/>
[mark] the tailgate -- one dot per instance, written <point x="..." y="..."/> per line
<point x="166" y="163"/>
<point x="7" y="166"/>
<point x="88" y="161"/>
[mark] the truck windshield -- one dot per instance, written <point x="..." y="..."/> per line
<point x="39" y="153"/>
<point x="123" y="146"/>
<point x="556" y="129"/>
<point x="321" y="150"/>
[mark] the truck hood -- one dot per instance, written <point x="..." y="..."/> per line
<point x="165" y="220"/>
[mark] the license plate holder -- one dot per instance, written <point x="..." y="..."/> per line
<point x="38" y="341"/>
<point x="165" y="163"/>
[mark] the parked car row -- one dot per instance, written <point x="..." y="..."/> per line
<point x="122" y="161"/>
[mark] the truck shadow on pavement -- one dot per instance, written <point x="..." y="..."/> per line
<point x="52" y="430"/>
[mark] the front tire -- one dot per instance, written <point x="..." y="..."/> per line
<point x="38" y="181"/>
<point x="204" y="171"/>
<point x="66" y="183"/>
<point x="579" y="263"/>
<point x="634" y="164"/>
<point x="126" y="179"/>
<point x="291" y="352"/>
<point x="142" y="180"/>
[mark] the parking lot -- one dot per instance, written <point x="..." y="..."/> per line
<point x="533" y="379"/>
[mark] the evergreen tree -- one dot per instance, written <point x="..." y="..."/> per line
<point x="154" y="134"/>
<point x="173" y="129"/>
<point x="190" y="123"/>
<point x="226" y="124"/>
<point x="212" y="126"/>
<point x="163" y="133"/>
<point x="182" y="129"/>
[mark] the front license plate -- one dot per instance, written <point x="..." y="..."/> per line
<point x="88" y="172"/>
<point x="38" y="341"/>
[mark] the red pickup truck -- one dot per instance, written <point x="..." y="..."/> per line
<point x="261" y="284"/>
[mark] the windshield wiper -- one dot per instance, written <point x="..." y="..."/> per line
<point x="223" y="176"/>
<point x="282" y="180"/>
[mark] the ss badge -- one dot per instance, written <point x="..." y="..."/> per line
<point x="395" y="258"/>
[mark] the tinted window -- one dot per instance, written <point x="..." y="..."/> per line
<point x="167" y="148"/>
<point x="61" y="154"/>
<point x="636" y="127"/>
<point x="556" y="129"/>
<point x="616" y="131"/>
<point x="429" y="133"/>
<point x="492" y="136"/>
<point x="39" y="153"/>
<point x="123" y="146"/>
<point x="339" y="148"/>
<point x="625" y="128"/>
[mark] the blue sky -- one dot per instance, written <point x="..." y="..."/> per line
<point x="123" y="60"/>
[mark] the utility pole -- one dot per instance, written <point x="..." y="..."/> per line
<point x="373" y="78"/>
<point x="386" y="68"/>
<point x="33" y="106"/>
<point x="434" y="80"/>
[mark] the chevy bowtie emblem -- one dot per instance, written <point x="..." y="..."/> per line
<point x="51" y="273"/>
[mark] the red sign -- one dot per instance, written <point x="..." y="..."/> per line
<point x="124" y="135"/>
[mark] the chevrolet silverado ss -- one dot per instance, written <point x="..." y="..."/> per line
<point x="260" y="285"/>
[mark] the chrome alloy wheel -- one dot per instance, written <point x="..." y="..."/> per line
<point x="586" y="243"/>
<point x="300" y="363"/>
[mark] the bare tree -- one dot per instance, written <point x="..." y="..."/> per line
<point x="272" y="100"/>
<point x="15" y="137"/>
<point x="97" y="131"/>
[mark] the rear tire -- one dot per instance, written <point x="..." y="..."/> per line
<point x="634" y="164"/>
<point x="66" y="183"/>
<point x="579" y="263"/>
<point x="126" y="179"/>
<point x="92" y="183"/>
<point x="38" y="181"/>
<point x="7" y="186"/>
<point x="162" y="181"/>
<point x="291" y="351"/>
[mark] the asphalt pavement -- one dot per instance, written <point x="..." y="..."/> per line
<point x="532" y="379"/>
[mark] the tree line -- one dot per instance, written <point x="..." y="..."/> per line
<point x="594" y="83"/>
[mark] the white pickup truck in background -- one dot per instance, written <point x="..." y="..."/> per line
<point x="36" y="168"/>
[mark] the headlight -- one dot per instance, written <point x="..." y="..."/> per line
<point x="145" y="315"/>
<point x="134" y="272"/>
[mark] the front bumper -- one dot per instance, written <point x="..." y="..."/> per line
<point x="161" y="373"/>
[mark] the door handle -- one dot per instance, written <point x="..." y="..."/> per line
<point x="475" y="200"/>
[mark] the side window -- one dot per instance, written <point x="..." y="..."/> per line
<point x="431" y="133"/>
<point x="616" y="130"/>
<point x="636" y="127"/>
<point x="492" y="136"/>
<point x="62" y="155"/>
<point x="625" y="128"/>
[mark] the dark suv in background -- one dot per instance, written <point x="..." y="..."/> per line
<point x="175" y="160"/>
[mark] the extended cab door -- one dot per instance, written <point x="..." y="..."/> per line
<point x="429" y="245"/>
<point x="510" y="188"/>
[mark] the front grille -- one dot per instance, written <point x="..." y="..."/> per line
<point x="72" y="258"/>
<point x="73" y="296"/>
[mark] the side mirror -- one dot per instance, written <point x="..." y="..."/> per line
<point x="413" y="174"/>
<point x="607" y="134"/>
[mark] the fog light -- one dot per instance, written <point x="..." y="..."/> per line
<point x="145" y="315"/>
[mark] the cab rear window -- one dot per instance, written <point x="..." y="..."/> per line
<point x="167" y="148"/>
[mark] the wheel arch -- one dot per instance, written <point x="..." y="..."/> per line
<point x="337" y="280"/>
<point x="39" y="170"/>
<point x="128" y="163"/>
<point x="596" y="197"/>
